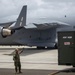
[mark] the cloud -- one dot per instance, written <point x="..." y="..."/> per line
<point x="58" y="8"/>
<point x="36" y="8"/>
<point x="58" y="1"/>
<point x="13" y="7"/>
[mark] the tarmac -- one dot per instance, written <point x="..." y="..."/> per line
<point x="4" y="71"/>
<point x="24" y="72"/>
<point x="33" y="61"/>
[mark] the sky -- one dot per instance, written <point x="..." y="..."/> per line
<point x="10" y="9"/>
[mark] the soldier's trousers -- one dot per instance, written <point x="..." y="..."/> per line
<point x="17" y="66"/>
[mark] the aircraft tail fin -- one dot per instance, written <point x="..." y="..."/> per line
<point x="21" y="21"/>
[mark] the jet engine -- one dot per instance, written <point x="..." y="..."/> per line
<point x="6" y="32"/>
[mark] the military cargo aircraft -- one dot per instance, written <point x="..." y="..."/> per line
<point x="39" y="34"/>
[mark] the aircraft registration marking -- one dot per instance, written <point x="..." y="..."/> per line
<point x="21" y="21"/>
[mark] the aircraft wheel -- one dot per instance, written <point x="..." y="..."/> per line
<point x="56" y="46"/>
<point x="49" y="47"/>
<point x="73" y="65"/>
<point x="40" y="47"/>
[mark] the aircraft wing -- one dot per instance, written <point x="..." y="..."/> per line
<point x="7" y="24"/>
<point x="31" y="25"/>
<point x="45" y="25"/>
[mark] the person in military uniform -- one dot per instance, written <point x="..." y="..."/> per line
<point x="17" y="63"/>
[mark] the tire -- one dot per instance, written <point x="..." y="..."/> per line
<point x="38" y="47"/>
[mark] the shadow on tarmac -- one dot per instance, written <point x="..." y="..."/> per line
<point x="4" y="71"/>
<point x="26" y="51"/>
<point x="29" y="51"/>
<point x="25" y="72"/>
<point x="67" y="71"/>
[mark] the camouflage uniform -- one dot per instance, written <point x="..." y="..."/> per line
<point x="17" y="63"/>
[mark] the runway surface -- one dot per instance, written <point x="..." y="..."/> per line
<point x="33" y="61"/>
<point x="33" y="72"/>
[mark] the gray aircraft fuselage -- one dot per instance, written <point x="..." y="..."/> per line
<point x="32" y="37"/>
<point x="38" y="36"/>
<point x="29" y="37"/>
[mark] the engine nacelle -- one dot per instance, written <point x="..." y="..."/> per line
<point x="6" y="32"/>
